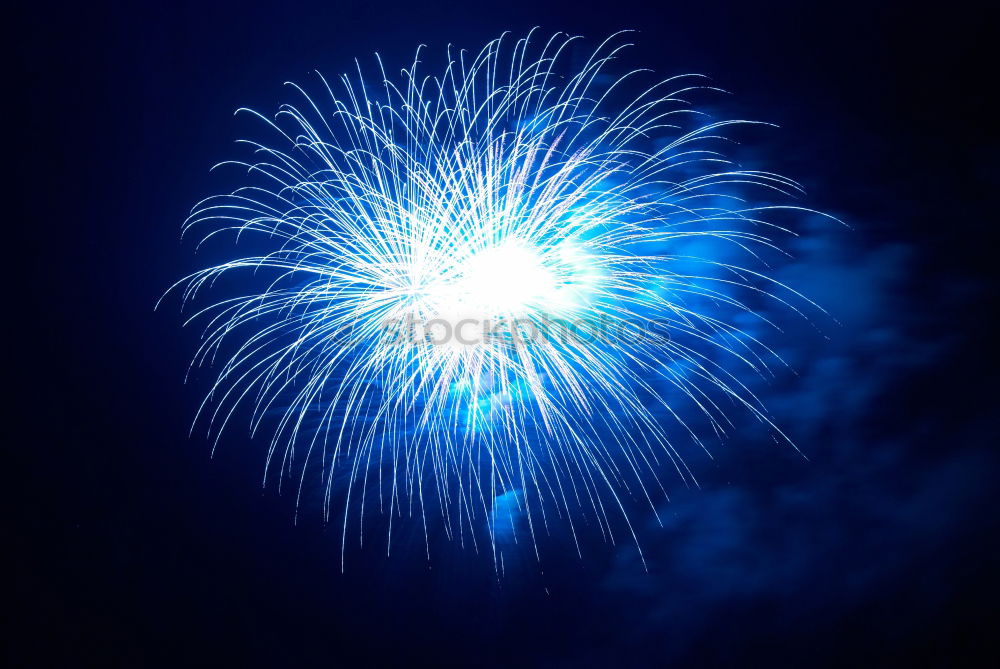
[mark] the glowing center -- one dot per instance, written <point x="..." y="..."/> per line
<point x="505" y="280"/>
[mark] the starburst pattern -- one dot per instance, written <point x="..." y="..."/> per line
<point x="475" y="286"/>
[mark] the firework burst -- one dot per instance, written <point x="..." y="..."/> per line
<point x="475" y="287"/>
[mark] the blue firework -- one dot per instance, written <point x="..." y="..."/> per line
<point x="474" y="291"/>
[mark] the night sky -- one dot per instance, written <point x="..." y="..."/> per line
<point x="133" y="546"/>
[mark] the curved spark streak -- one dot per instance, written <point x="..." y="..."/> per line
<point x="500" y="191"/>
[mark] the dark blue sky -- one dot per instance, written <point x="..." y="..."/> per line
<point x="134" y="547"/>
